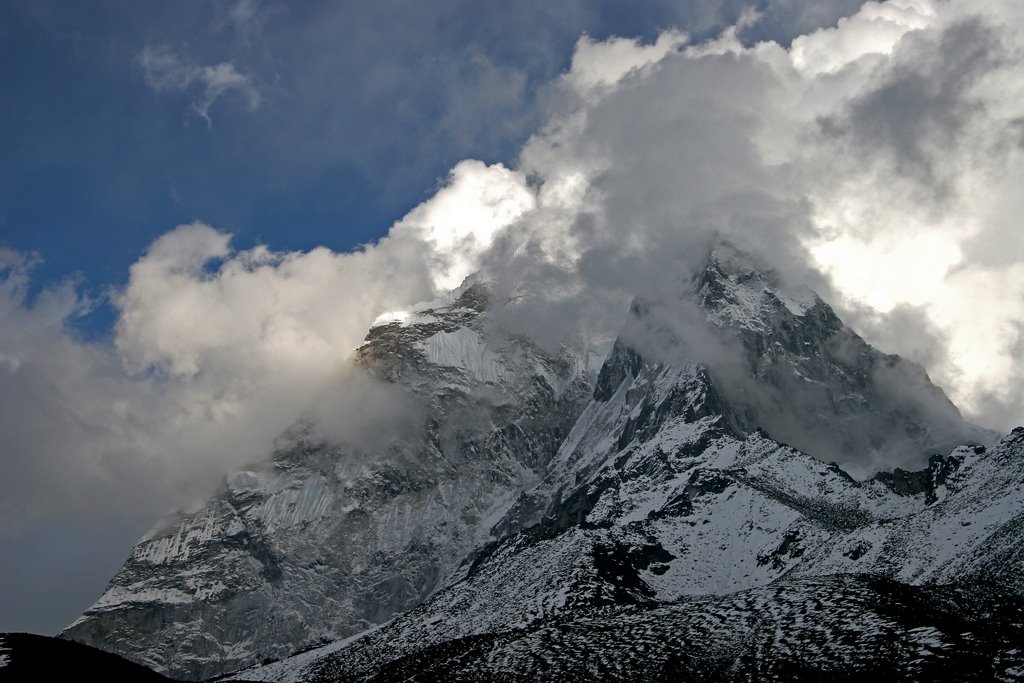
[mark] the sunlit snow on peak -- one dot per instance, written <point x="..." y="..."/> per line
<point x="390" y="317"/>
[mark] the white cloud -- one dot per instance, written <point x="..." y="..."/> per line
<point x="245" y="343"/>
<point x="874" y="30"/>
<point x="909" y="185"/>
<point x="67" y="413"/>
<point x="216" y="352"/>
<point x="601" y="64"/>
<point x="461" y="220"/>
<point x="190" y="301"/>
<point x="165" y="70"/>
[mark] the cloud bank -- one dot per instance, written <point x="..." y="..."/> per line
<point x="875" y="160"/>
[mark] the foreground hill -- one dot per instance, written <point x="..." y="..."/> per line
<point x="30" y="657"/>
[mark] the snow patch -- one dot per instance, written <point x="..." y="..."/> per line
<point x="390" y="317"/>
<point x="798" y="300"/>
<point x="465" y="349"/>
<point x="117" y="596"/>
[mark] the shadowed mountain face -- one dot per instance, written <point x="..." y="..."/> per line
<point x="544" y="503"/>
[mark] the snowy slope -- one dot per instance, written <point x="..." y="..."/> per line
<point x="746" y="514"/>
<point x="852" y="627"/>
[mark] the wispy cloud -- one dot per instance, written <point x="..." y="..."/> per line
<point x="165" y="70"/>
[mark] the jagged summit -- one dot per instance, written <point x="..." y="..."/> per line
<point x="694" y="464"/>
<point x="740" y="292"/>
<point x="435" y="335"/>
<point x="783" y="362"/>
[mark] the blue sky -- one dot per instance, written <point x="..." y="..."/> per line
<point x="362" y="110"/>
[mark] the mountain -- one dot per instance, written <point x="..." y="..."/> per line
<point x="684" y="499"/>
<point x="324" y="541"/>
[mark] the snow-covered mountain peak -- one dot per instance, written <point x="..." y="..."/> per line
<point x="779" y="359"/>
<point x="473" y="295"/>
<point x="666" y="544"/>
<point x="738" y="291"/>
<point x="692" y="476"/>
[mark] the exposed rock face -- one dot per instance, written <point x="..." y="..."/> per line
<point x="324" y="541"/>
<point x="706" y="582"/>
<point x="541" y="510"/>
